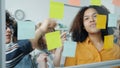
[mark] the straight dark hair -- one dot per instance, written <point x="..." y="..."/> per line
<point x="79" y="34"/>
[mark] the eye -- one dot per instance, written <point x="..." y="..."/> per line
<point x="94" y="16"/>
<point x="86" y="18"/>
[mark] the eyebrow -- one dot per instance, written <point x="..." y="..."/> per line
<point x="92" y="14"/>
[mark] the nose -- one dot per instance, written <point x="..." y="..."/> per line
<point x="92" y="19"/>
<point x="8" y="29"/>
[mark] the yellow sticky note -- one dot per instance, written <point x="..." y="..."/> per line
<point x="74" y="2"/>
<point x="108" y="41"/>
<point x="101" y="21"/>
<point x="56" y="10"/>
<point x="53" y="40"/>
<point x="116" y="2"/>
<point x="95" y="2"/>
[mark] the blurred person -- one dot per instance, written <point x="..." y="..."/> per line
<point x="16" y="51"/>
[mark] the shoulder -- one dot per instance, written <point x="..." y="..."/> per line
<point x="23" y="42"/>
<point x="12" y="47"/>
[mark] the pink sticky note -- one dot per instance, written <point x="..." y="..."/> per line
<point x="74" y="2"/>
<point x="116" y="2"/>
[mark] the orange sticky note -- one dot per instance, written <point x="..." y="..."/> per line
<point x="108" y="41"/>
<point x="101" y="21"/>
<point x="74" y="2"/>
<point x="95" y="2"/>
<point x="53" y="40"/>
<point x="116" y="2"/>
<point x="56" y="10"/>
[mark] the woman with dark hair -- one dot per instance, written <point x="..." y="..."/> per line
<point x="90" y="40"/>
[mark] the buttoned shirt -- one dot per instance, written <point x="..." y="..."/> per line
<point x="86" y="52"/>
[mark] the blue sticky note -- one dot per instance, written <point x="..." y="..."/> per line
<point x="69" y="49"/>
<point x="112" y="20"/>
<point x="26" y="30"/>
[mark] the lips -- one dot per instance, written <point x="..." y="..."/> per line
<point x="8" y="35"/>
<point x="93" y="25"/>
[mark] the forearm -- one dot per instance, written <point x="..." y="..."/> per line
<point x="48" y="23"/>
<point x="57" y="58"/>
<point x="39" y="32"/>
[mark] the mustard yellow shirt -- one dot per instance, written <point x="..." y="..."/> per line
<point x="87" y="53"/>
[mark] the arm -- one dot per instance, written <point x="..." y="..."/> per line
<point x="23" y="47"/>
<point x="16" y="52"/>
<point x="58" y="52"/>
<point x="48" y="23"/>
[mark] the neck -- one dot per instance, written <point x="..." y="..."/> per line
<point x="96" y="40"/>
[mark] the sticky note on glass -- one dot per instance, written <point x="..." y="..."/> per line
<point x="108" y="41"/>
<point x="53" y="40"/>
<point x="74" y="2"/>
<point x="69" y="49"/>
<point x="101" y="21"/>
<point x="116" y="2"/>
<point x="112" y="20"/>
<point x="95" y="2"/>
<point x="26" y="30"/>
<point x="56" y="10"/>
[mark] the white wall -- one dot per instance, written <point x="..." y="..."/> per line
<point x="35" y="10"/>
<point x="38" y="10"/>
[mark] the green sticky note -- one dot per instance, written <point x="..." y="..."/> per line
<point x="53" y="40"/>
<point x="101" y="21"/>
<point x="108" y="41"/>
<point x="26" y="30"/>
<point x="96" y="2"/>
<point x="56" y="10"/>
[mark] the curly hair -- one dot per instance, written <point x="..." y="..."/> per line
<point x="79" y="34"/>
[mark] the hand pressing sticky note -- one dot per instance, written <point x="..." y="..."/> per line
<point x="53" y="40"/>
<point x="108" y="41"/>
<point x="69" y="49"/>
<point x="56" y="10"/>
<point x="95" y="2"/>
<point x="74" y="2"/>
<point x="101" y="21"/>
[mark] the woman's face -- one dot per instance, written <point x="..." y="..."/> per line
<point x="89" y="21"/>
<point x="8" y="33"/>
